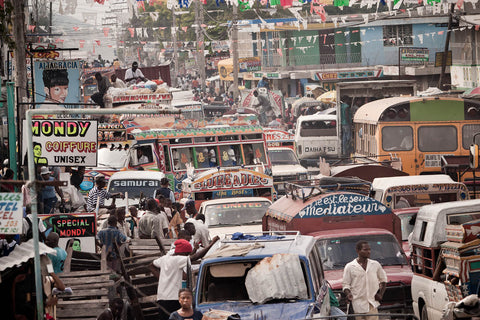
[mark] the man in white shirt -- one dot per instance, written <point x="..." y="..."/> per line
<point x="201" y="235"/>
<point x="117" y="83"/>
<point x="133" y="75"/>
<point x="364" y="282"/>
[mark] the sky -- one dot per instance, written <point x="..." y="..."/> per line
<point x="85" y="25"/>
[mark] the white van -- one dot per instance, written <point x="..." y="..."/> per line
<point x="285" y="167"/>
<point x="138" y="184"/>
<point x="429" y="293"/>
<point x="230" y="215"/>
<point x="316" y="136"/>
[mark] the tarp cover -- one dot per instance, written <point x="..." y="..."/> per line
<point x="22" y="253"/>
<point x="277" y="277"/>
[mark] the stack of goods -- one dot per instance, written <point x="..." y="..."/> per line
<point x="461" y="254"/>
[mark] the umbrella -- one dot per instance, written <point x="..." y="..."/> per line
<point x="328" y="97"/>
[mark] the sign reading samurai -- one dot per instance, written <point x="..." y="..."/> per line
<point x="64" y="142"/>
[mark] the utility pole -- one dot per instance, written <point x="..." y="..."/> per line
<point x="235" y="50"/>
<point x="18" y="21"/>
<point x="175" y="51"/>
<point x="441" y="80"/>
<point x="200" y="43"/>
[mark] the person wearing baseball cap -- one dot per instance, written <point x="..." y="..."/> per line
<point x="49" y="192"/>
<point x="170" y="272"/>
<point x="165" y="190"/>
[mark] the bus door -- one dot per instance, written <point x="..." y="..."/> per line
<point x="434" y="140"/>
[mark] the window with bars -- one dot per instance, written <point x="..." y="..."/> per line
<point x="397" y="35"/>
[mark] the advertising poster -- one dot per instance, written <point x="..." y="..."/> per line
<point x="79" y="227"/>
<point x="11" y="213"/>
<point x="64" y="142"/>
<point x="57" y="81"/>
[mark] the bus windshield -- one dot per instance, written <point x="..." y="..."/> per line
<point x="235" y="213"/>
<point x="134" y="187"/>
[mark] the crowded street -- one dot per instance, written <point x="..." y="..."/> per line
<point x="239" y="160"/>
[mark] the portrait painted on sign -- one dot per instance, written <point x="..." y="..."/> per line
<point x="57" y="83"/>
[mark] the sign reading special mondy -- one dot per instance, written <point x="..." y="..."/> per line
<point x="343" y="205"/>
<point x="11" y="213"/>
<point x="65" y="142"/>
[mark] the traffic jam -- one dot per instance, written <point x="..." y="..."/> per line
<point x="173" y="179"/>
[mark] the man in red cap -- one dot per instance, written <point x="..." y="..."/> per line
<point x="169" y="270"/>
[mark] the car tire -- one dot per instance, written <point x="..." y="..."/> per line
<point x="424" y="313"/>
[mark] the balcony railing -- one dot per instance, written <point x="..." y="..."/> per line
<point x="305" y="61"/>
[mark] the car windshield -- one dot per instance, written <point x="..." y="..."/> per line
<point x="134" y="187"/>
<point x="115" y="159"/>
<point x="279" y="157"/>
<point x="336" y="253"/>
<point x="235" y="213"/>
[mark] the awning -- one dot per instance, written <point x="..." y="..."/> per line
<point x="22" y="253"/>
<point x="214" y="78"/>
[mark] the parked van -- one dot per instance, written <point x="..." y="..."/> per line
<point x="429" y="292"/>
<point x="277" y="277"/>
<point x="238" y="214"/>
<point x="316" y="136"/>
<point x="338" y="220"/>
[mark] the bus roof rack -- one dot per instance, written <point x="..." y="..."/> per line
<point x="309" y="188"/>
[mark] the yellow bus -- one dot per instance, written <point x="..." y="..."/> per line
<point x="417" y="131"/>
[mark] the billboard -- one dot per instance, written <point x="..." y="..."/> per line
<point x="57" y="81"/>
<point x="63" y="142"/>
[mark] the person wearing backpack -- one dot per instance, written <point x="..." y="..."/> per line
<point x="27" y="226"/>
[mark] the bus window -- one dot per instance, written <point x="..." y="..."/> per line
<point x="212" y="157"/>
<point x="318" y="128"/>
<point x="168" y="166"/>
<point x="254" y="154"/>
<point x="181" y="141"/>
<point x="252" y="136"/>
<point x="182" y="158"/>
<point x="141" y="155"/>
<point x="437" y="138"/>
<point x="397" y="138"/>
<point x="468" y="132"/>
<point x="228" y="138"/>
<point x="201" y="154"/>
<point x="204" y="139"/>
<point x="230" y="155"/>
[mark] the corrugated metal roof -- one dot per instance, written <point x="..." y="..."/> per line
<point x="276" y="277"/>
<point x="22" y="254"/>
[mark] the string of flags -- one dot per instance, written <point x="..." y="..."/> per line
<point x="302" y="43"/>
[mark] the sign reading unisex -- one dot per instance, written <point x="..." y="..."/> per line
<point x="64" y="142"/>
<point x="11" y="213"/>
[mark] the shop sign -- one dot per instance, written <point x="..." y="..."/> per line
<point x="11" y="213"/>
